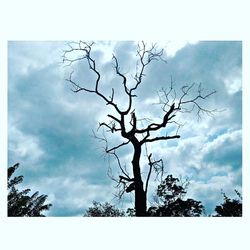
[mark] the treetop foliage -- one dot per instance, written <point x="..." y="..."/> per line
<point x="171" y="194"/>
<point x="171" y="203"/>
<point x="103" y="210"/>
<point x="20" y="203"/>
<point x="230" y="207"/>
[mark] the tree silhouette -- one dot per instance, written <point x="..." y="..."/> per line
<point x="230" y="207"/>
<point x="20" y="204"/>
<point x="124" y="119"/>
<point x="171" y="203"/>
<point x="103" y="210"/>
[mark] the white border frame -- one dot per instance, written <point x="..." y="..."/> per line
<point x="124" y="20"/>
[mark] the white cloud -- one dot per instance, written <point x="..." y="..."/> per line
<point x="172" y="47"/>
<point x="107" y="48"/>
<point x="233" y="85"/>
<point x="210" y="191"/>
<point x="228" y="139"/>
<point x="29" y="56"/>
<point x="225" y="149"/>
<point x="72" y="193"/>
<point x="24" y="147"/>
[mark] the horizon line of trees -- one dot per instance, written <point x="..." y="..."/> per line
<point x="170" y="201"/>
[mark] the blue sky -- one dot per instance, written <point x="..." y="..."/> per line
<point x="50" y="127"/>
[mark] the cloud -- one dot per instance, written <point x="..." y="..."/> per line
<point x="24" y="146"/>
<point x="73" y="194"/>
<point x="211" y="192"/>
<point x="50" y="127"/>
<point x="224" y="150"/>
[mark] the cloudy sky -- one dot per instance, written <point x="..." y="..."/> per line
<point x="50" y="127"/>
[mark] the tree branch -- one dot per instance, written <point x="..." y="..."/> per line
<point x="145" y="57"/>
<point x="116" y="147"/>
<point x="149" y="172"/>
<point x="114" y="118"/>
<point x="86" y="48"/>
<point x="194" y="101"/>
<point x="117" y="70"/>
<point x="111" y="127"/>
<point x="155" y="126"/>
<point x="160" y="138"/>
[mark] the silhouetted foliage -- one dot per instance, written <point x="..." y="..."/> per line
<point x="171" y="203"/>
<point x="130" y="212"/>
<point x="170" y="195"/>
<point x="230" y="207"/>
<point x="20" y="203"/>
<point x="103" y="210"/>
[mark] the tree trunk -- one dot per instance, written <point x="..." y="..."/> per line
<point x="140" y="195"/>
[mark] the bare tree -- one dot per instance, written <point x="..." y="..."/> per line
<point x="133" y="132"/>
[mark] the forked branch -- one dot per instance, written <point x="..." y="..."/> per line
<point x="128" y="126"/>
<point x="153" y="164"/>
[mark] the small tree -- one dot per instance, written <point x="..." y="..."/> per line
<point x="171" y="200"/>
<point x="230" y="207"/>
<point x="103" y="210"/>
<point x="131" y="132"/>
<point x="19" y="202"/>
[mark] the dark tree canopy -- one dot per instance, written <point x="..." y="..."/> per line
<point x="20" y="203"/>
<point x="103" y="210"/>
<point x="171" y="200"/>
<point x="230" y="207"/>
<point x="171" y="203"/>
